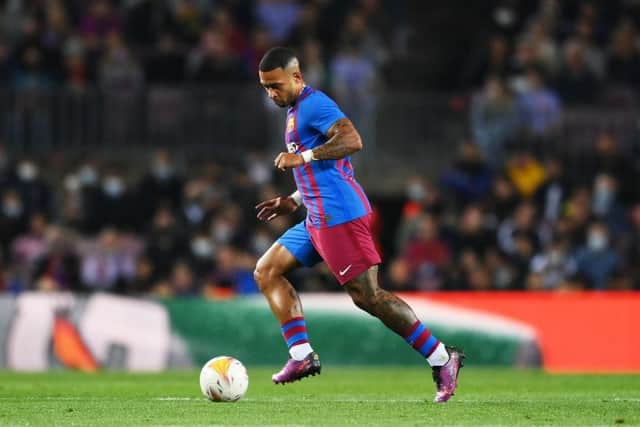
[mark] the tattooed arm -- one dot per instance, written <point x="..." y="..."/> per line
<point x="344" y="140"/>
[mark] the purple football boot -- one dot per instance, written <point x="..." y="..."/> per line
<point x="446" y="376"/>
<point x="295" y="370"/>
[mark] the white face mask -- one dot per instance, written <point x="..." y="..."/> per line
<point x="202" y="247"/>
<point x="113" y="186"/>
<point x="27" y="171"/>
<point x="261" y="243"/>
<point x="88" y="175"/>
<point x="12" y="209"/>
<point x="416" y="192"/>
<point x="162" y="171"/>
<point x="222" y="232"/>
<point x="597" y="241"/>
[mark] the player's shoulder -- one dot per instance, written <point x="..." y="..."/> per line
<point x="316" y="102"/>
<point x="319" y="96"/>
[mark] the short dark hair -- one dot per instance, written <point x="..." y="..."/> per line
<point x="277" y="57"/>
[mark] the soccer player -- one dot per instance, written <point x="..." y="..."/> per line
<point x="319" y="140"/>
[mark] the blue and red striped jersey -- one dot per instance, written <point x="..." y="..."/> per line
<point x="329" y="189"/>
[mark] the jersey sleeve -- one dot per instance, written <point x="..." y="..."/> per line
<point x="324" y="112"/>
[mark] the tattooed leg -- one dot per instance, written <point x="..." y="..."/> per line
<point x="390" y="309"/>
<point x="269" y="274"/>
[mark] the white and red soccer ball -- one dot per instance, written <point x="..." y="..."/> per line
<point x="224" y="379"/>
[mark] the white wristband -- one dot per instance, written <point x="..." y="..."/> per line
<point x="297" y="197"/>
<point x="307" y="156"/>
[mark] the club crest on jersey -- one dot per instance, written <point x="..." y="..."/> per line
<point x="292" y="147"/>
<point x="291" y="124"/>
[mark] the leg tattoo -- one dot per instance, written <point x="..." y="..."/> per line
<point x="389" y="308"/>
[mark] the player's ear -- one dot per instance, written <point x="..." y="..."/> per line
<point x="297" y="75"/>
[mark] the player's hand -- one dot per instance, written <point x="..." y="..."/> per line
<point x="286" y="161"/>
<point x="269" y="209"/>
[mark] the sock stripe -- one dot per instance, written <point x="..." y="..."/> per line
<point x="427" y="348"/>
<point x="421" y="339"/>
<point x="297" y="321"/>
<point x="297" y="339"/>
<point x="424" y="336"/>
<point x="412" y="330"/>
<point x="293" y="331"/>
<point x="419" y="331"/>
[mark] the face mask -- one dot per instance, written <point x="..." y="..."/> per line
<point x="416" y="192"/>
<point x="222" y="232"/>
<point x="202" y="247"/>
<point x="555" y="256"/>
<point x="162" y="171"/>
<point x="602" y="199"/>
<point x="27" y="171"/>
<point x="113" y="186"/>
<point x="194" y="213"/>
<point x="597" y="241"/>
<point x="261" y="243"/>
<point x="12" y="209"/>
<point x="71" y="183"/>
<point x="87" y="175"/>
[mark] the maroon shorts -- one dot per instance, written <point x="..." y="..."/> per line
<point x="348" y="248"/>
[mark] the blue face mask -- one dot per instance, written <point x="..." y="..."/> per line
<point x="602" y="199"/>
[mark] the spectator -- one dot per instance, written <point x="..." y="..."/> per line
<point x="279" y="17"/>
<point x="13" y="219"/>
<point x="605" y="204"/>
<point x="555" y="267"/>
<point x="214" y="62"/>
<point x="470" y="179"/>
<point x="494" y="63"/>
<point x="551" y="195"/>
<point x="114" y="200"/>
<point x="494" y="120"/>
<point x="161" y="186"/>
<point x="593" y="54"/>
<point x="576" y="82"/>
<point x="610" y="159"/>
<point x="427" y="255"/>
<point x="28" y="248"/>
<point x="107" y="262"/>
<point x="166" y="242"/>
<point x="472" y="234"/>
<point x="119" y="73"/>
<point x="521" y="225"/>
<point x="597" y="261"/>
<point x="623" y="63"/>
<point x="143" y="278"/>
<point x="525" y="172"/>
<point x="58" y="268"/>
<point x="34" y="191"/>
<point x="100" y="20"/>
<point x="354" y="80"/>
<point x="183" y="282"/>
<point x="539" y="106"/>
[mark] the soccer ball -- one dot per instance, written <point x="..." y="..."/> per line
<point x="224" y="379"/>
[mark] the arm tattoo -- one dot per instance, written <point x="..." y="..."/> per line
<point x="344" y="140"/>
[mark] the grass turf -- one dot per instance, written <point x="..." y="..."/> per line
<point x="340" y="396"/>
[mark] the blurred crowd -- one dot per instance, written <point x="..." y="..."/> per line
<point x="169" y="229"/>
<point x="124" y="44"/>
<point x="528" y="224"/>
<point x="514" y="211"/>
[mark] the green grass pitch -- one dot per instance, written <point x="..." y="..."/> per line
<point x="340" y="396"/>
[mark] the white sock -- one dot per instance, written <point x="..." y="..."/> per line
<point x="300" y="351"/>
<point x="439" y="356"/>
